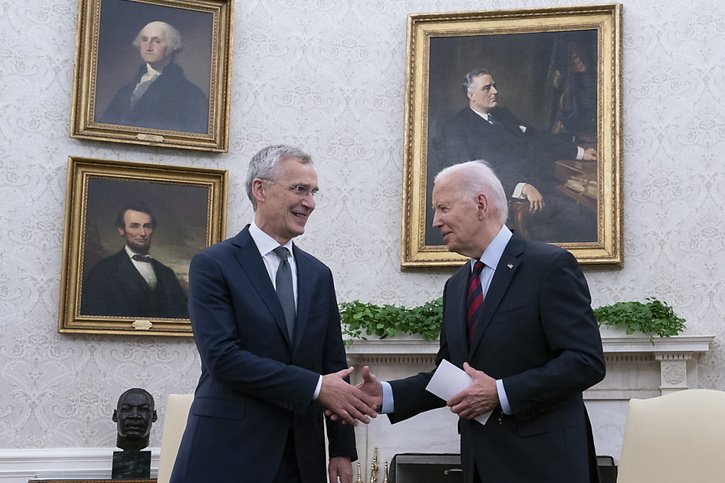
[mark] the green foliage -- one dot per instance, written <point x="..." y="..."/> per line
<point x="651" y="318"/>
<point x="384" y="321"/>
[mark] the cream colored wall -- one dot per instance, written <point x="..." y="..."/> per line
<point x="329" y="76"/>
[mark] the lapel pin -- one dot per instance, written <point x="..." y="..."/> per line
<point x="510" y="265"/>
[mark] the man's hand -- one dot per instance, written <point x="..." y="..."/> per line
<point x="480" y="397"/>
<point x="340" y="470"/>
<point x="536" y="201"/>
<point x="347" y="402"/>
<point x="371" y="387"/>
<point x="590" y="154"/>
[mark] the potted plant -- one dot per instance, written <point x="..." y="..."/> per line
<point x="653" y="318"/>
<point x="361" y="320"/>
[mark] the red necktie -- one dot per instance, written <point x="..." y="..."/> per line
<point x="475" y="300"/>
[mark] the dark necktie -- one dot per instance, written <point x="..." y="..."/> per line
<point x="493" y="121"/>
<point x="475" y="300"/>
<point x="283" y="281"/>
<point x="142" y="258"/>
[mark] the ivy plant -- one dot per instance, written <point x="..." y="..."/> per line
<point x="360" y="319"/>
<point x="653" y="318"/>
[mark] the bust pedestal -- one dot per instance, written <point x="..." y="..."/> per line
<point x="128" y="465"/>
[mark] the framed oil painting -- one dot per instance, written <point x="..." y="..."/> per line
<point x="153" y="72"/>
<point x="537" y="95"/>
<point x="131" y="230"/>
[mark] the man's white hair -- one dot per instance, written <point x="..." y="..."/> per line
<point x="171" y="35"/>
<point x="478" y="177"/>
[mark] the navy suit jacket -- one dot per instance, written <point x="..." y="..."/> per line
<point x="538" y="334"/>
<point x="114" y="287"/>
<point x="255" y="382"/>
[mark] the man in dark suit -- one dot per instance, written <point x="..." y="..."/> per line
<point x="160" y="96"/>
<point x="267" y="327"/>
<point x="517" y="319"/>
<point x="522" y="157"/>
<point x="131" y="283"/>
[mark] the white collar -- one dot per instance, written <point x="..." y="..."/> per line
<point x="265" y="243"/>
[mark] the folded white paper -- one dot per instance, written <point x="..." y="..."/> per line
<point x="448" y="380"/>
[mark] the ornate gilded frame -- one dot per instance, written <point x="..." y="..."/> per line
<point x="106" y="62"/>
<point x="604" y="21"/>
<point x="189" y="204"/>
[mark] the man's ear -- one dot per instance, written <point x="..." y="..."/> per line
<point x="481" y="204"/>
<point x="258" y="189"/>
<point x="115" y="416"/>
<point x="154" y="417"/>
<point x="120" y="230"/>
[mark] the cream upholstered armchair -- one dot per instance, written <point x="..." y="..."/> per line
<point x="677" y="438"/>
<point x="177" y="411"/>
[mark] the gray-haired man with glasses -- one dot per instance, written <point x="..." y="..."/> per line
<point x="267" y="327"/>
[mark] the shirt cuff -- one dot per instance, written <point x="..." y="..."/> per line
<point x="579" y="153"/>
<point x="517" y="191"/>
<point x="317" y="389"/>
<point x="502" y="398"/>
<point x="388" y="405"/>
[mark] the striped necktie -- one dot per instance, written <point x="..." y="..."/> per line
<point x="475" y="300"/>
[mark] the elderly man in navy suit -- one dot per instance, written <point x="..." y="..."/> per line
<point x="267" y="326"/>
<point x="517" y="319"/>
<point x="132" y="283"/>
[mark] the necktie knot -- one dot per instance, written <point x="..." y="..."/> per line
<point x="478" y="268"/>
<point x="142" y="258"/>
<point x="282" y="253"/>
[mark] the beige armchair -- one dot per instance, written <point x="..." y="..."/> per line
<point x="677" y="438"/>
<point x="177" y="411"/>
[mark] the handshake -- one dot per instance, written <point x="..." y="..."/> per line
<point x="347" y="403"/>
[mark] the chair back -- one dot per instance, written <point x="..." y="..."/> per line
<point x="678" y="438"/>
<point x="177" y="412"/>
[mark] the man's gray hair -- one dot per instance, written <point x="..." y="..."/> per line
<point x="478" y="177"/>
<point x="171" y="35"/>
<point x="468" y="79"/>
<point x="265" y="165"/>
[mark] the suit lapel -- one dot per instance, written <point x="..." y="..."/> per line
<point x="130" y="277"/>
<point x="507" y="267"/>
<point x="251" y="262"/>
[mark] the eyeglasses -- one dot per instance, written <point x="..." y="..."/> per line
<point x="299" y="190"/>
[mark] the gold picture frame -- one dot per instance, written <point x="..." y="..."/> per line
<point x="527" y="52"/>
<point x="101" y="291"/>
<point x="186" y="106"/>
